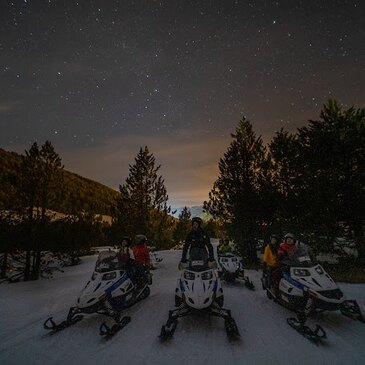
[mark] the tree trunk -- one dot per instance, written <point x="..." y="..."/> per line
<point x="360" y="242"/>
<point x="27" y="269"/>
<point x="4" y="265"/>
<point x="37" y="264"/>
<point x="38" y="244"/>
<point x="27" y="265"/>
<point x="253" y="253"/>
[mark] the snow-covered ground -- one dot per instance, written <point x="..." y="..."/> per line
<point x="265" y="336"/>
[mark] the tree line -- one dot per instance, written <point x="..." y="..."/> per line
<point x="32" y="186"/>
<point x="311" y="182"/>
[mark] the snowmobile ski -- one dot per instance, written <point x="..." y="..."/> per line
<point x="248" y="283"/>
<point x="72" y="319"/>
<point x="231" y="329"/>
<point x="351" y="309"/>
<point x="313" y="335"/>
<point x="229" y="322"/>
<point x="108" y="332"/>
<point x="168" y="330"/>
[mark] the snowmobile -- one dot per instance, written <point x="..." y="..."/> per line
<point x="230" y="268"/>
<point x="109" y="291"/>
<point x="305" y="288"/>
<point x="155" y="259"/>
<point x="198" y="291"/>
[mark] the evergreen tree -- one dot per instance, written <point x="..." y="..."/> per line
<point x="183" y="226"/>
<point x="6" y="239"/>
<point x="50" y="176"/>
<point x="285" y="177"/>
<point x="332" y="160"/>
<point x="29" y="194"/>
<point x="211" y="228"/>
<point x="39" y="175"/>
<point x="239" y="195"/>
<point x="143" y="202"/>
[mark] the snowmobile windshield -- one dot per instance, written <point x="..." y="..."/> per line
<point x="299" y="257"/>
<point x="107" y="262"/>
<point x="229" y="255"/>
<point x="198" y="258"/>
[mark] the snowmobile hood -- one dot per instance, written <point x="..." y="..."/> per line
<point x="314" y="278"/>
<point x="199" y="287"/>
<point x="229" y="263"/>
<point x="99" y="285"/>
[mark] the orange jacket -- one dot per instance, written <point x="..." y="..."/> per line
<point x="142" y="255"/>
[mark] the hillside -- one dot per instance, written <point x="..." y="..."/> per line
<point x="78" y="193"/>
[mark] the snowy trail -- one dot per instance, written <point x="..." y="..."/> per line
<point x="265" y="336"/>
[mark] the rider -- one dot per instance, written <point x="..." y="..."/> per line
<point x="270" y="258"/>
<point x="287" y="247"/>
<point x="197" y="239"/>
<point x="223" y="247"/>
<point x="142" y="258"/>
<point x="125" y="254"/>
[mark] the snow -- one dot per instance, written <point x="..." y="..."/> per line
<point x="265" y="336"/>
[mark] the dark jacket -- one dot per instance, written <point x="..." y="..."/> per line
<point x="197" y="240"/>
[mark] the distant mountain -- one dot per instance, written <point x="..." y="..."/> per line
<point x="196" y="211"/>
<point x="78" y="193"/>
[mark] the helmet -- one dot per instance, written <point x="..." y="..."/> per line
<point x="198" y="220"/>
<point x="140" y="238"/>
<point x="275" y="236"/>
<point x="290" y="235"/>
<point x="126" y="238"/>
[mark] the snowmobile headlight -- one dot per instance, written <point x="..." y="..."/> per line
<point x="207" y="275"/>
<point x="188" y="275"/>
<point x="234" y="259"/>
<point x="301" y="272"/>
<point x="224" y="260"/>
<point x="109" y="276"/>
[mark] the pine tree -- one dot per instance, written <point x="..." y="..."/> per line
<point x="143" y="202"/>
<point x="50" y="178"/>
<point x="238" y="197"/>
<point x="183" y="226"/>
<point x="332" y="166"/>
<point x="29" y="194"/>
<point x="285" y="177"/>
<point x="39" y="175"/>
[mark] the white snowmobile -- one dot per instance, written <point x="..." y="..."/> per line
<point x="305" y="287"/>
<point x="109" y="291"/>
<point x="230" y="268"/>
<point x="155" y="259"/>
<point x="198" y="290"/>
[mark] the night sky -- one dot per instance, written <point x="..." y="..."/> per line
<point x="100" y="79"/>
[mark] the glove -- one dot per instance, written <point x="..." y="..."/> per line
<point x="212" y="264"/>
<point x="182" y="265"/>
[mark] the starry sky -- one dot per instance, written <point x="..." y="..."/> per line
<point x="100" y="79"/>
